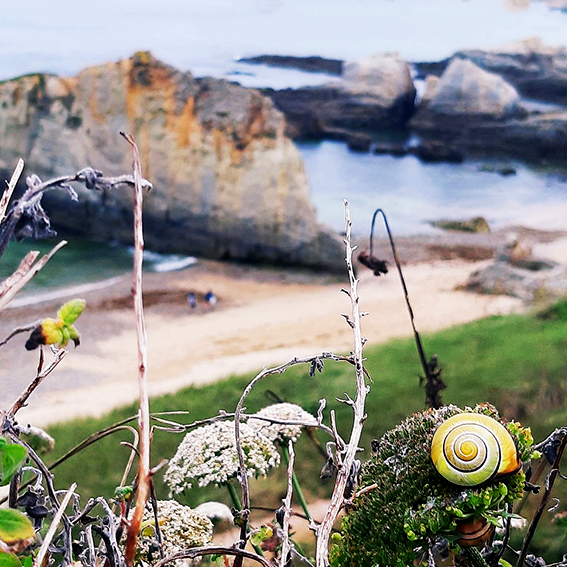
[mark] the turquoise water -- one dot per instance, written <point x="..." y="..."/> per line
<point x="82" y="261"/>
<point x="79" y="262"/>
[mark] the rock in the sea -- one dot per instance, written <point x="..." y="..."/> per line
<point x="227" y="182"/>
<point x="472" y="110"/>
<point x="385" y="78"/>
<point x="476" y="224"/>
<point x="535" y="69"/>
<point x="375" y="93"/>
<point x="467" y="91"/>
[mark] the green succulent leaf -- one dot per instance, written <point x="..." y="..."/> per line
<point x="70" y="312"/>
<point x="12" y="457"/>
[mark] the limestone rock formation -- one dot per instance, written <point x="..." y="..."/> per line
<point x="227" y="182"/>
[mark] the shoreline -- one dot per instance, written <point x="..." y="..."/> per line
<point x="263" y="317"/>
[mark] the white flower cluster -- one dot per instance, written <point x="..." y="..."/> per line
<point x="280" y="432"/>
<point x="180" y="527"/>
<point x="208" y="455"/>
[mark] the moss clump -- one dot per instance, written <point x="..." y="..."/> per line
<point x="394" y="523"/>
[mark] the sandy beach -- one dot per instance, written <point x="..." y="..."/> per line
<point x="263" y="317"/>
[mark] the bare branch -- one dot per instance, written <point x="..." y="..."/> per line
<point x="324" y="531"/>
<point x="144" y="415"/>
<point x="238" y="415"/>
<point x="561" y="440"/>
<point x="10" y="189"/>
<point x="22" y="329"/>
<point x="25" y="272"/>
<point x="38" y="562"/>
<point x="287" y="507"/>
<point x="23" y="397"/>
<point x="213" y="550"/>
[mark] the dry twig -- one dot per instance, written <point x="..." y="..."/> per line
<point x="38" y="562"/>
<point x="144" y="416"/>
<point x="25" y="272"/>
<point x="6" y="196"/>
<point x="337" y="498"/>
<point x="23" y="397"/>
<point x="287" y="508"/>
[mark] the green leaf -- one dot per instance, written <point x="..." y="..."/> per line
<point x="51" y="331"/>
<point x="74" y="335"/>
<point x="12" y="458"/>
<point x="9" y="560"/>
<point x="264" y="533"/>
<point x="66" y="336"/>
<point x="70" y="312"/>
<point x="14" y="526"/>
<point x="28" y="561"/>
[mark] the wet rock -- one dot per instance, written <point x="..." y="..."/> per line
<point x="394" y="149"/>
<point x="313" y="64"/>
<point x="476" y="224"/>
<point x="432" y="151"/>
<point x="359" y="143"/>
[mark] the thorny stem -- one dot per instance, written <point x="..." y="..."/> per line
<point x="550" y="481"/>
<point x="296" y="485"/>
<point x="324" y="530"/>
<point x="238" y="414"/>
<point x="144" y="416"/>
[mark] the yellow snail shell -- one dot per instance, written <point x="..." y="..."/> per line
<point x="471" y="448"/>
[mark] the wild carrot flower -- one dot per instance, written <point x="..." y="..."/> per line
<point x="281" y="432"/>
<point x="208" y="455"/>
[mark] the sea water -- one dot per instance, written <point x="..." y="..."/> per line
<point x="208" y="36"/>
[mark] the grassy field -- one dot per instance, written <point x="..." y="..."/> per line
<point x="518" y="363"/>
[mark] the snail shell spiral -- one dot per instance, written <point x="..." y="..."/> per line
<point x="470" y="448"/>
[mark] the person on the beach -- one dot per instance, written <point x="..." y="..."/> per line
<point x="192" y="300"/>
<point x="211" y="298"/>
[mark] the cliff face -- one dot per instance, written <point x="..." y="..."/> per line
<point x="227" y="182"/>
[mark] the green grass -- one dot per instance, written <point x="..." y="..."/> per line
<point x="518" y="363"/>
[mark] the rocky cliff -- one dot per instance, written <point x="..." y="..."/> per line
<point x="227" y="181"/>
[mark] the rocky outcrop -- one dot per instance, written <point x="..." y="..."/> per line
<point x="227" y="182"/>
<point x="375" y="93"/>
<point x="467" y="92"/>
<point x="470" y="109"/>
<point x="518" y="273"/>
<point x="313" y="64"/>
<point x="537" y="70"/>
